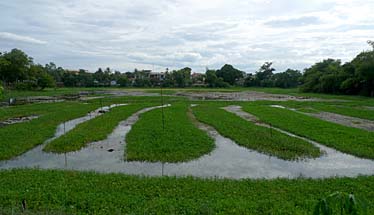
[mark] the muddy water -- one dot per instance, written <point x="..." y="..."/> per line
<point x="227" y="160"/>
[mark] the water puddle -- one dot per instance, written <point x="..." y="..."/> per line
<point x="227" y="160"/>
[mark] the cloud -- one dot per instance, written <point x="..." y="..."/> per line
<point x="19" y="38"/>
<point x="294" y="22"/>
<point x="125" y="34"/>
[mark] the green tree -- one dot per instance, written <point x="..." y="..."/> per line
<point x="39" y="77"/>
<point x="182" y="77"/>
<point x="14" y="66"/>
<point x="54" y="71"/>
<point x="323" y="77"/>
<point x="229" y="74"/>
<point x="364" y="71"/>
<point x="211" y="78"/>
<point x="123" y="81"/>
<point x="288" y="79"/>
<point x="45" y="80"/>
<point x="264" y="75"/>
<point x="1" y="91"/>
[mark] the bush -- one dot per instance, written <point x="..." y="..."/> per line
<point x="26" y="85"/>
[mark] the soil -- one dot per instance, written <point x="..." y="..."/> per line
<point x="15" y="120"/>
<point x="345" y="120"/>
<point x="338" y="119"/>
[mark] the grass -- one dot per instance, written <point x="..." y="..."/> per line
<point x="24" y="110"/>
<point x="19" y="138"/>
<point x="69" y="192"/>
<point x="349" y="140"/>
<point x="352" y="109"/>
<point x="180" y="140"/>
<point x="247" y="134"/>
<point x="296" y="92"/>
<point x="92" y="130"/>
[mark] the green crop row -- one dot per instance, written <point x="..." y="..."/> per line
<point x="350" y="140"/>
<point x="173" y="139"/>
<point x="19" y="138"/>
<point x="247" y="134"/>
<point x="93" y="130"/>
<point x="352" y="109"/>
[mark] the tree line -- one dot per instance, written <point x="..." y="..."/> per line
<point x="331" y="76"/>
<point x="17" y="70"/>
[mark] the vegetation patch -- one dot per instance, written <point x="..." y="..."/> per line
<point x="247" y="134"/>
<point x="352" y="108"/>
<point x="92" y="130"/>
<point x="92" y="193"/>
<point x="177" y="139"/>
<point x="349" y="140"/>
<point x="19" y="138"/>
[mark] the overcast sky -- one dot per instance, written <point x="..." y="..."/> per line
<point x="128" y="34"/>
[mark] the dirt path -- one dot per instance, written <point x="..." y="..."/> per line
<point x="349" y="121"/>
<point x="345" y="120"/>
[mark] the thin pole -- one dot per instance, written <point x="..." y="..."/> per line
<point x="162" y="108"/>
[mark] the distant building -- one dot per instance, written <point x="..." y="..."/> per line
<point x="142" y="74"/>
<point x="157" y="76"/>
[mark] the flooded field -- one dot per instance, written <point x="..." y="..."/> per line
<point x="227" y="160"/>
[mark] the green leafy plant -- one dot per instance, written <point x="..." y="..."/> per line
<point x="1" y="92"/>
<point x="255" y="137"/>
<point x="177" y="140"/>
<point x="340" y="203"/>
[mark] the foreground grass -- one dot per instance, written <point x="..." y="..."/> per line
<point x="92" y="130"/>
<point x="19" y="138"/>
<point x="349" y="140"/>
<point x="180" y="140"/>
<point x="92" y="193"/>
<point x="249" y="135"/>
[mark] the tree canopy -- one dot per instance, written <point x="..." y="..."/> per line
<point x="18" y="69"/>
<point x="330" y="76"/>
<point x="229" y="74"/>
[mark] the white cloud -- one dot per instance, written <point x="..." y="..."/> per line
<point x="124" y="34"/>
<point x="19" y="38"/>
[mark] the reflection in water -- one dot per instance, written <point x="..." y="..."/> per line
<point x="227" y="160"/>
